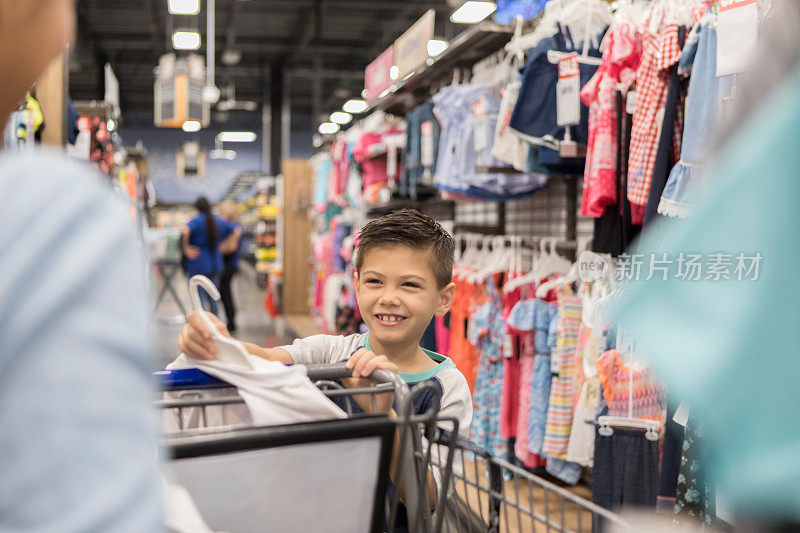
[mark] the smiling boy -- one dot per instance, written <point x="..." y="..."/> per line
<point x="404" y="266"/>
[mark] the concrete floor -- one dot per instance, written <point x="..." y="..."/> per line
<point x="253" y="322"/>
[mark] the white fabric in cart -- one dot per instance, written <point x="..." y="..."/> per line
<point x="273" y="393"/>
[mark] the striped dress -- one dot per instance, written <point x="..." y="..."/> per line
<point x="562" y="390"/>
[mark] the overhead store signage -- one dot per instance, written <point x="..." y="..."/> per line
<point x="737" y="35"/>
<point x="377" y="76"/>
<point x="179" y="91"/>
<point x="112" y="91"/>
<point x="568" y="104"/>
<point x="411" y="48"/>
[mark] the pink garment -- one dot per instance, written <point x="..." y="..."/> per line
<point x="340" y="165"/>
<point x="621" y="57"/>
<point x="531" y="460"/>
<point x="374" y="168"/>
<point x="509" y="402"/>
<point x="442" y="336"/>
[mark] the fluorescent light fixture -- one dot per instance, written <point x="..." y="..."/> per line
<point x="237" y="137"/>
<point x="222" y="154"/>
<point x="340" y="117"/>
<point x="111" y="125"/>
<point x="436" y="47"/>
<point x="184" y="7"/>
<point x="191" y="126"/>
<point x="472" y="12"/>
<point x="394" y="72"/>
<point x="328" y="128"/>
<point x="185" y="40"/>
<point x="355" y="107"/>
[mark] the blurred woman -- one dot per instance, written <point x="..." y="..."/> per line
<point x="230" y="256"/>
<point x="200" y="241"/>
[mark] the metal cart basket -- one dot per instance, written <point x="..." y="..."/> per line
<point x="210" y="443"/>
<point x="475" y="492"/>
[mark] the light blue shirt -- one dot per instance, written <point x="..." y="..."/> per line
<point x="77" y="434"/>
<point x="730" y="348"/>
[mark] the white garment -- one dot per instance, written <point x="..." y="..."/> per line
<point x="508" y="147"/>
<point x="581" y="438"/>
<point x="273" y="393"/>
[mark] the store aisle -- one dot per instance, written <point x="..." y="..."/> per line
<point x="254" y="324"/>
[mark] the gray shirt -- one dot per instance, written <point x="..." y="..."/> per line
<point x="77" y="438"/>
<point x="456" y="400"/>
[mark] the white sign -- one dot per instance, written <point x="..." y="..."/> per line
<point x="112" y="90"/>
<point x="426" y="148"/>
<point x="737" y="35"/>
<point x="568" y="103"/>
<point x="411" y="48"/>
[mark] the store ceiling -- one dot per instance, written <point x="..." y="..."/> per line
<point x="335" y="38"/>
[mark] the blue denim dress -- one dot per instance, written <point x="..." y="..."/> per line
<point x="702" y="119"/>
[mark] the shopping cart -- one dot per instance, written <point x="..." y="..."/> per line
<point x="489" y="494"/>
<point x="334" y="475"/>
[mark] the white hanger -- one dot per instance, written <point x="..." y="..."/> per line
<point x="573" y="274"/>
<point x="548" y="263"/>
<point x="229" y="351"/>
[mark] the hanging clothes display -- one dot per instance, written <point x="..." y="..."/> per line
<point x="703" y="118"/>
<point x="486" y="333"/>
<point x="661" y="49"/>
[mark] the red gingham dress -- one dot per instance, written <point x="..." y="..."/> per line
<point x="661" y="50"/>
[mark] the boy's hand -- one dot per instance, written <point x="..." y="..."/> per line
<point x="195" y="340"/>
<point x="363" y="363"/>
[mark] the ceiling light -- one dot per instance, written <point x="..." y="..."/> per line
<point x="364" y="93"/>
<point x="472" y="12"/>
<point x="111" y="125"/>
<point x="394" y="72"/>
<point x="184" y="7"/>
<point x="191" y="126"/>
<point x="328" y="128"/>
<point x="355" y="106"/>
<point x="436" y="47"/>
<point x="186" y="40"/>
<point x="340" y="117"/>
<point x="237" y="137"/>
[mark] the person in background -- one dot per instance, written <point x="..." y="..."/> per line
<point x="77" y="435"/>
<point x="200" y="240"/>
<point x="230" y="257"/>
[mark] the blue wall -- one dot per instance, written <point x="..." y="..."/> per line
<point x="163" y="143"/>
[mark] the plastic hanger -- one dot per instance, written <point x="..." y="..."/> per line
<point x="572" y="275"/>
<point x="229" y="351"/>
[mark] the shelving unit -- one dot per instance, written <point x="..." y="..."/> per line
<point x="466" y="49"/>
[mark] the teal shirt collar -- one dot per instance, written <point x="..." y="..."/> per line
<point x="442" y="363"/>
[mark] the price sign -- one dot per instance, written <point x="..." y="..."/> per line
<point x="426" y="148"/>
<point x="737" y="35"/>
<point x="568" y="103"/>
<point x="479" y="110"/>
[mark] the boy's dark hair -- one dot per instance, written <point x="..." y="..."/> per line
<point x="410" y="228"/>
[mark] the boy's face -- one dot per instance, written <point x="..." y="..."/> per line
<point x="397" y="293"/>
